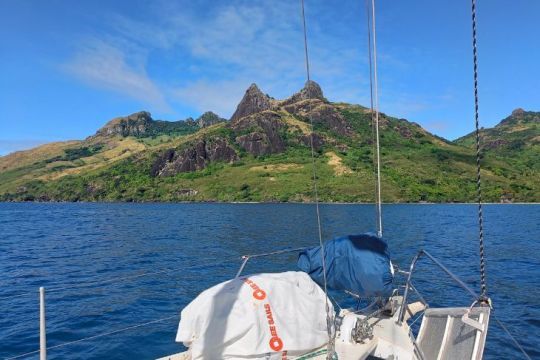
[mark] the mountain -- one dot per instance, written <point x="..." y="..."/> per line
<point x="263" y="153"/>
<point x="518" y="132"/>
<point x="512" y="149"/>
<point x="141" y="124"/>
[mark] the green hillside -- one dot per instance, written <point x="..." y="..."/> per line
<point x="512" y="149"/>
<point x="263" y="154"/>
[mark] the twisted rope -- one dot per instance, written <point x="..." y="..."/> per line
<point x="483" y="285"/>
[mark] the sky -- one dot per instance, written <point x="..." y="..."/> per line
<point x="67" y="67"/>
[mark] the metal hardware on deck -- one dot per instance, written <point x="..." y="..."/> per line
<point x="419" y="295"/>
<point x="442" y="267"/>
<point x="42" y="326"/>
<point x="362" y="330"/>
<point x="246" y="258"/>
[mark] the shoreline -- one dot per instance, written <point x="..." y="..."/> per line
<point x="267" y="202"/>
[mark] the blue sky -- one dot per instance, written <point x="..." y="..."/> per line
<point x="67" y="67"/>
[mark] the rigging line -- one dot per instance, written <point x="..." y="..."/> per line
<point x="483" y="285"/>
<point x="315" y="189"/>
<point x="96" y="336"/>
<point x="516" y="343"/>
<point x="373" y="147"/>
<point x="376" y="96"/>
<point x="117" y="279"/>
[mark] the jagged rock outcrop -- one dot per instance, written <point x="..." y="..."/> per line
<point x="194" y="157"/>
<point x="259" y="127"/>
<point x="254" y="101"/>
<point x="514" y="134"/>
<point x="311" y="90"/>
<point x="322" y="114"/>
<point x="208" y="119"/>
<point x="141" y="124"/>
<point x="135" y="124"/>
<point x="318" y="141"/>
<point x="260" y="133"/>
<point x="520" y="116"/>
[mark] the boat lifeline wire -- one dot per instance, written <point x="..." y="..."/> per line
<point x="329" y="318"/>
<point x="95" y="336"/>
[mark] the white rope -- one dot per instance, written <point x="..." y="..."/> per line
<point x="95" y="336"/>
<point x="375" y="94"/>
<point x="329" y="319"/>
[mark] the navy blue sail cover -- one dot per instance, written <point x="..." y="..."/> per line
<point x="357" y="263"/>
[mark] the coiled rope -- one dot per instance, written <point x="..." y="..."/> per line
<point x="329" y="317"/>
<point x="483" y="285"/>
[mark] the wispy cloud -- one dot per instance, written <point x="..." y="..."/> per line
<point x="226" y="47"/>
<point x="103" y="65"/>
<point x="253" y="42"/>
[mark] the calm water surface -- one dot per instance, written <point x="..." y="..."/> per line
<point x="93" y="252"/>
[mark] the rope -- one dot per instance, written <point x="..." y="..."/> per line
<point x="275" y="252"/>
<point x="114" y="280"/>
<point x="96" y="336"/>
<point x="516" y="343"/>
<point x="315" y="189"/>
<point x="375" y="94"/>
<point x="483" y="285"/>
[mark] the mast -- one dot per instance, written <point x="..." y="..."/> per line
<point x="374" y="95"/>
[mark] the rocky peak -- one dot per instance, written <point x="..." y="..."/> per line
<point x="311" y="90"/>
<point x="254" y="101"/>
<point x="518" y="112"/>
<point x="207" y="119"/>
<point x="135" y="124"/>
<point x="520" y="116"/>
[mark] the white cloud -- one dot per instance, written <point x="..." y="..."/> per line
<point x="222" y="50"/>
<point x="247" y="42"/>
<point x="104" y="65"/>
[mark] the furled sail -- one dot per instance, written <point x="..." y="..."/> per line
<point x="356" y="263"/>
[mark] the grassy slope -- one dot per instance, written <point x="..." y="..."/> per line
<point x="416" y="166"/>
<point x="512" y="150"/>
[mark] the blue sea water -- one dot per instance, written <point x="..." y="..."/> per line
<point x="93" y="253"/>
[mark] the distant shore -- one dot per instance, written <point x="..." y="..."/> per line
<point x="268" y="202"/>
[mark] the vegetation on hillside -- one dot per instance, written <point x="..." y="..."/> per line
<point x="416" y="165"/>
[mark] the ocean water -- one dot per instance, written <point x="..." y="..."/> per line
<point x="110" y="266"/>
